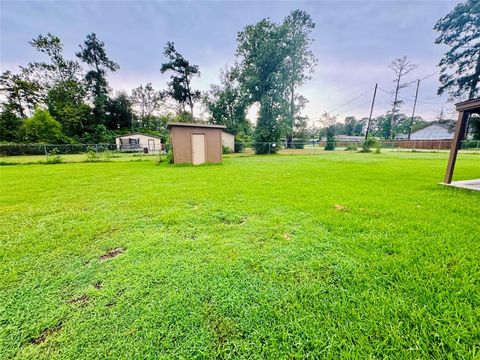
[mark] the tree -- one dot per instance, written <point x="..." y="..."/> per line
<point x="93" y="53"/>
<point x="227" y="105"/>
<point x="460" y="66"/>
<point x="261" y="53"/>
<point x="21" y="93"/>
<point x="119" y="112"/>
<point x="299" y="64"/>
<point x="42" y="127"/>
<point x="64" y="91"/>
<point x="475" y="127"/>
<point x="401" y="67"/>
<point x="147" y="101"/>
<point x="354" y="127"/>
<point x="179" y="87"/>
<point x="329" y="122"/>
<point x="58" y="70"/>
<point x="9" y="125"/>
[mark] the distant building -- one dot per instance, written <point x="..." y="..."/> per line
<point x="349" y="138"/>
<point x="228" y="141"/>
<point x="139" y="142"/>
<point x="432" y="132"/>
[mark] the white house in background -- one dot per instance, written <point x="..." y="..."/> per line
<point x="432" y="132"/>
<point x="228" y="140"/>
<point x="139" y="142"/>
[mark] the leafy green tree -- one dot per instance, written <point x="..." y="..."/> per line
<point x="147" y="101"/>
<point x="119" y="112"/>
<point x="261" y="53"/>
<point x="57" y="70"/>
<point x="475" y="127"/>
<point x="180" y="87"/>
<point x="21" y="93"/>
<point x="227" y="104"/>
<point x="65" y="102"/>
<point x="93" y="53"/>
<point x="460" y="66"/>
<point x="9" y="125"/>
<point x="329" y="122"/>
<point x="62" y="83"/>
<point x="299" y="63"/>
<point x="41" y="127"/>
<point x="353" y="127"/>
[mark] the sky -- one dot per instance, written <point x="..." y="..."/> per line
<point x="354" y="42"/>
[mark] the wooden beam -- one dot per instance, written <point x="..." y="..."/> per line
<point x="457" y="138"/>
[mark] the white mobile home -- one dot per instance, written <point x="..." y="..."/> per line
<point x="139" y="142"/>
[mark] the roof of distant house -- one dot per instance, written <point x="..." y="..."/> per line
<point x="138" y="133"/>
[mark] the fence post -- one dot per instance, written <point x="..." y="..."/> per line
<point x="269" y="145"/>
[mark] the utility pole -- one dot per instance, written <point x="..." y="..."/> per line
<point x="371" y="112"/>
<point x="413" y="111"/>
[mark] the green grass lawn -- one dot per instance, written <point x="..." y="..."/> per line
<point x="338" y="255"/>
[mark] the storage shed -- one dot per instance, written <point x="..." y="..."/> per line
<point x="139" y="142"/>
<point x="196" y="143"/>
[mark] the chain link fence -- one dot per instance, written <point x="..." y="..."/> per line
<point x="243" y="148"/>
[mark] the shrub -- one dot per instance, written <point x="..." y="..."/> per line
<point x="351" y="147"/>
<point x="379" y="148"/>
<point x="331" y="144"/>
<point x="368" y="144"/>
<point x="108" y="155"/>
<point x="92" y="155"/>
<point x="226" y="150"/>
<point x="53" y="157"/>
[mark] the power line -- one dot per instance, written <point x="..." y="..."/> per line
<point x="412" y="100"/>
<point x="350" y="101"/>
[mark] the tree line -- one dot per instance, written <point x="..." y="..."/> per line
<point x="62" y="100"/>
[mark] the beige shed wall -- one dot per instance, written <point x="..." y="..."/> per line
<point x="181" y="140"/>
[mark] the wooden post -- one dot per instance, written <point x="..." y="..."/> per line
<point x="371" y="112"/>
<point x="457" y="138"/>
<point x="413" y="111"/>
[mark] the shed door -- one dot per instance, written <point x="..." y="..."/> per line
<point x="151" y="145"/>
<point x="198" y="149"/>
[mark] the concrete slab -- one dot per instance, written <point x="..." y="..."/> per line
<point x="466" y="184"/>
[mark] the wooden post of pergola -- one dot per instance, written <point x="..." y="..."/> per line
<point x="464" y="110"/>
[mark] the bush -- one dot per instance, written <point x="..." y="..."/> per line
<point x="351" y="147"/>
<point x="298" y="145"/>
<point x="331" y="144"/>
<point x="368" y="144"/>
<point x="53" y="157"/>
<point x="92" y="155"/>
<point x="226" y="150"/>
<point x="239" y="147"/>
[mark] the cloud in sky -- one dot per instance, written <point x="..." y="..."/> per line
<point x="354" y="42"/>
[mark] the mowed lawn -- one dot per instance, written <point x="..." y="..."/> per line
<point x="337" y="255"/>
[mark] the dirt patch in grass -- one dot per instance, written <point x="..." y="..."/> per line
<point x="110" y="254"/>
<point x="80" y="300"/>
<point x="339" y="207"/>
<point x="98" y="285"/>
<point x="46" y="334"/>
